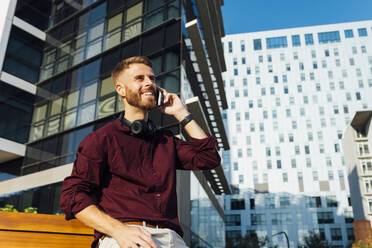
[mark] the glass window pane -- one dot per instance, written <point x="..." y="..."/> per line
<point x="70" y="119"/>
<point x="87" y="113"/>
<point x="119" y="104"/>
<point x="113" y="39"/>
<point x="72" y="99"/>
<point x="53" y="126"/>
<point x="89" y="93"/>
<point x="56" y="106"/>
<point x="78" y="56"/>
<point x="107" y="86"/>
<point x="94" y="48"/>
<point x="114" y="22"/>
<point x="132" y="31"/>
<point x="171" y="82"/>
<point x="80" y="40"/>
<point x="50" y="56"/>
<point x="153" y="19"/>
<point x="106" y="107"/>
<point x="65" y="49"/>
<point x="46" y="72"/>
<point x="171" y="61"/>
<point x="156" y="64"/>
<point x="95" y="32"/>
<point x="36" y="131"/>
<point x="173" y="10"/>
<point x="62" y="64"/>
<point x="39" y="113"/>
<point x="134" y="12"/>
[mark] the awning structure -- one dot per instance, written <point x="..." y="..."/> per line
<point x="215" y="177"/>
<point x="207" y="82"/>
<point x="360" y="119"/>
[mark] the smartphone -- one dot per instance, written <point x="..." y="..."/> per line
<point x="159" y="98"/>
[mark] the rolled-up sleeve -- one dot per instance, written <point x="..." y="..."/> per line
<point x="197" y="154"/>
<point x="82" y="188"/>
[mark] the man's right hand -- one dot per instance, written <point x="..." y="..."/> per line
<point x="129" y="236"/>
<point x="125" y="235"/>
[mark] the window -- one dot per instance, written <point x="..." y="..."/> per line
<point x="285" y="177"/>
<point x="315" y="176"/>
<point x="232" y="220"/>
<point x="257" y="44"/>
<point x="278" y="164"/>
<point x="349" y="33"/>
<point x="313" y="202"/>
<point x="269" y="202"/>
<point x="276" y="42"/>
<point x="331" y="201"/>
<point x="366" y="166"/>
<point x="258" y="219"/>
<point x="248" y="70"/>
<point x="309" y="40"/>
<point x="242" y="46"/>
<point x="281" y="218"/>
<point x="293" y="163"/>
<point x="362" y="32"/>
<point x="237" y="204"/>
<point x="243" y="60"/>
<point x="326" y="37"/>
<point x="336" y="234"/>
<point x="296" y="40"/>
<point x="350" y="233"/>
<point x="325" y="217"/>
<point x="284" y="202"/>
<point x="269" y="164"/>
<point x="230" y="47"/>
<point x="235" y="61"/>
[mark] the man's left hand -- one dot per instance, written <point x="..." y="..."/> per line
<point x="172" y="105"/>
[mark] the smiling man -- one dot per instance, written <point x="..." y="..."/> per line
<point x="123" y="182"/>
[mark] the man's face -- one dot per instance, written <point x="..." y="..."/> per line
<point x="139" y="89"/>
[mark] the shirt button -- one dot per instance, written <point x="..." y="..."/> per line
<point x="154" y="174"/>
<point x="157" y="195"/>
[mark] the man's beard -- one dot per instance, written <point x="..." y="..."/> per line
<point x="135" y="99"/>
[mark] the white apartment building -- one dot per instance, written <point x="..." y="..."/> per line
<point x="291" y="94"/>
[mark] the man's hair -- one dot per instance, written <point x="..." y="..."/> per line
<point x="124" y="64"/>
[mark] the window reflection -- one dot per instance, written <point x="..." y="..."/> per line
<point x="106" y="107"/>
<point x="70" y="119"/>
<point x="86" y="113"/>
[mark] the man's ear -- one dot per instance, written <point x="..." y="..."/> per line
<point x="120" y="89"/>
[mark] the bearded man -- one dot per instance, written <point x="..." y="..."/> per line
<point x="123" y="182"/>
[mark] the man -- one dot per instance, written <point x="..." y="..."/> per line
<point x="123" y="184"/>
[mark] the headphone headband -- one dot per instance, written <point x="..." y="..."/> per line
<point x="139" y="127"/>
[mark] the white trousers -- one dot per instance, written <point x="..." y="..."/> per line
<point x="163" y="238"/>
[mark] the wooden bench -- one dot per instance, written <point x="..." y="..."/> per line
<point x="20" y="230"/>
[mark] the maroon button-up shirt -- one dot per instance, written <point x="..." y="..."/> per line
<point x="131" y="178"/>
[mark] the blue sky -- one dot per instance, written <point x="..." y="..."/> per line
<point x="241" y="16"/>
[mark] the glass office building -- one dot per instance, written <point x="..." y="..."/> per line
<point x="291" y="95"/>
<point x="56" y="59"/>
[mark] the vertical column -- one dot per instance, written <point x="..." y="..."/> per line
<point x="7" y="9"/>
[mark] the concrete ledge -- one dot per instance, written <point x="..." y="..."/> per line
<point x="10" y="150"/>
<point x="34" y="180"/>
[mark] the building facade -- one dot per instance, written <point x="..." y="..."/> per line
<point x="356" y="142"/>
<point x="291" y="95"/>
<point x="56" y="58"/>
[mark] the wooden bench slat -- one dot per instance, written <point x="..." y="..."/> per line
<point x="43" y="240"/>
<point x="41" y="223"/>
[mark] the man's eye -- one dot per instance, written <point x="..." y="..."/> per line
<point x="152" y="78"/>
<point x="139" y="78"/>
